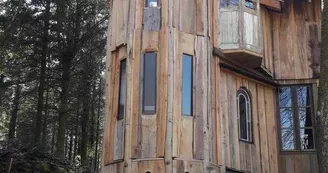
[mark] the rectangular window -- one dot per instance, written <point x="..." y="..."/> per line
<point x="228" y="3"/>
<point x="152" y="3"/>
<point x="295" y="112"/>
<point x="187" y="83"/>
<point x="149" y="83"/>
<point x="122" y="90"/>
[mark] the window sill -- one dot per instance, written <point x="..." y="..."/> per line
<point x="247" y="142"/>
<point x="298" y="152"/>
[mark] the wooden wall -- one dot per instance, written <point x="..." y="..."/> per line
<point x="166" y="141"/>
<point x="291" y="33"/>
<point x="267" y="47"/>
<point x="228" y="151"/>
<point x="298" y="163"/>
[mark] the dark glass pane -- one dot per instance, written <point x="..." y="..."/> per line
<point x="122" y="92"/>
<point x="287" y="139"/>
<point x="305" y="117"/>
<point x="226" y="3"/>
<point x="307" y="141"/>
<point x="285" y="97"/>
<point x="303" y="96"/>
<point x="250" y="4"/>
<point x="286" y="118"/>
<point x="151" y="3"/>
<point x="149" y="85"/>
<point x="187" y="85"/>
<point x="242" y="117"/>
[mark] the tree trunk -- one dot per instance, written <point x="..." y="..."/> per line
<point x="92" y="126"/>
<point x="322" y="114"/>
<point x="53" y="137"/>
<point x="43" y="64"/>
<point x="86" y="109"/>
<point x="45" y="120"/>
<point x="70" y="150"/>
<point x="96" y="159"/>
<point x="76" y="132"/>
<point x="63" y="108"/>
<point x="14" y="113"/>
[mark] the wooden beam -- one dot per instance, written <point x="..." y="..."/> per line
<point x="271" y="4"/>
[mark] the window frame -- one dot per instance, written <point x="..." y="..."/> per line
<point x="191" y="87"/>
<point x="295" y="117"/>
<point x="158" y="4"/>
<point x="118" y="117"/>
<point x="145" y="112"/>
<point x="249" y="130"/>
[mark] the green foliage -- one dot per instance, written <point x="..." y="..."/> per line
<point x="76" y="33"/>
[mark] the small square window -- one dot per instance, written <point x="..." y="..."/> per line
<point x="152" y="3"/>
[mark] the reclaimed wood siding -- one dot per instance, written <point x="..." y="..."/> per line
<point x="182" y="166"/>
<point x="114" y="142"/>
<point x="251" y="32"/>
<point x="152" y="166"/>
<point x="298" y="163"/>
<point x="148" y="131"/>
<point x="118" y="23"/>
<point x="189" y="16"/>
<point x="292" y="50"/>
<point x="229" y="36"/>
<point x="266" y="23"/>
<point x="261" y="155"/>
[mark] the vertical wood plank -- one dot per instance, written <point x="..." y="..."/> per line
<point x="225" y="119"/>
<point x="256" y="150"/>
<point x="271" y="129"/>
<point x="187" y="16"/>
<point x="135" y="148"/>
<point x="263" y="129"/>
<point x="200" y="98"/>
<point x="200" y="17"/>
<point x="162" y="90"/>
<point x="177" y="95"/>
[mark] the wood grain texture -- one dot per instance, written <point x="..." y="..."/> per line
<point x="261" y="155"/>
<point x="298" y="163"/>
<point x="292" y="52"/>
<point x="200" y="97"/>
<point x="135" y="146"/>
<point x="187" y="16"/>
<point x="181" y="166"/>
<point x="152" y="19"/>
<point x="267" y="39"/>
<point x="153" y="166"/>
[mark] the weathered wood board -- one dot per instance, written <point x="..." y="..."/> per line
<point x="261" y="155"/>
<point x="291" y="48"/>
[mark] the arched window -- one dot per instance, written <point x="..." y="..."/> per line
<point x="244" y="112"/>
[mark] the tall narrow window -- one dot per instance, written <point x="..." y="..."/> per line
<point x="187" y="85"/>
<point x="152" y="3"/>
<point x="122" y="92"/>
<point x="296" y="125"/>
<point x="244" y="115"/>
<point x="149" y="83"/>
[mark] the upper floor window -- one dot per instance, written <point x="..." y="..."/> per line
<point x="227" y="3"/>
<point x="152" y="3"/>
<point x="122" y="90"/>
<point x="244" y="115"/>
<point x="187" y="82"/>
<point x="296" y="121"/>
<point x="149" y="83"/>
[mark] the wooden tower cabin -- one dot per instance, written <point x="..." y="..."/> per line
<point x="212" y="86"/>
